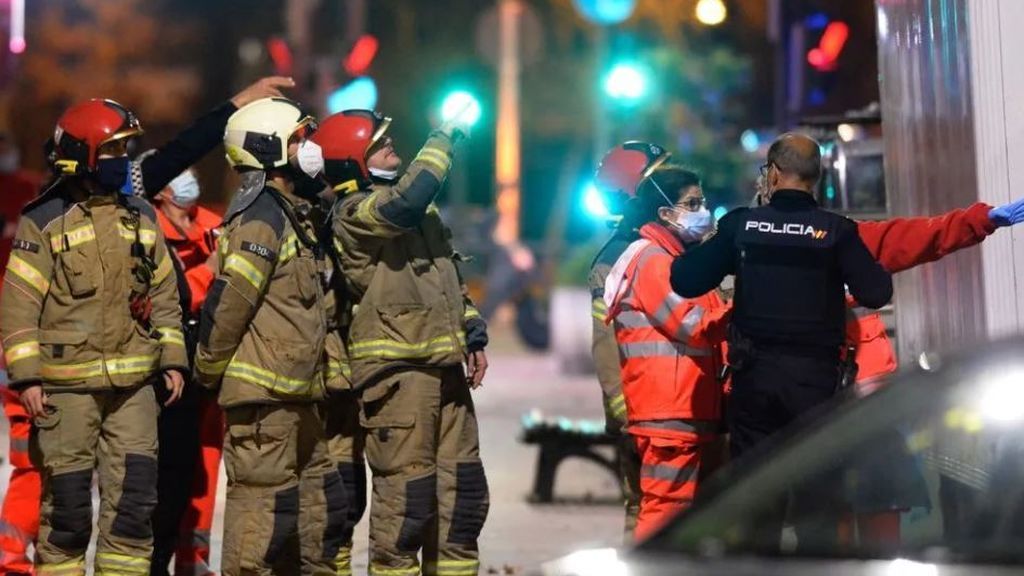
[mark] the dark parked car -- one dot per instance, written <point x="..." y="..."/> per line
<point x="938" y="453"/>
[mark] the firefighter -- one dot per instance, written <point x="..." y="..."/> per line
<point x="19" y="518"/>
<point x="261" y="343"/>
<point x="92" y="336"/>
<point x="669" y="346"/>
<point x="620" y="173"/>
<point x="413" y="326"/>
<point x="191" y="432"/>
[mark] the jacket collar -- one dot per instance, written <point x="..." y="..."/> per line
<point x="663" y="237"/>
<point x="786" y="198"/>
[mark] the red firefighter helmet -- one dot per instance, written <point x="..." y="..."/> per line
<point x="623" y="169"/>
<point x="84" y="128"/>
<point x="346" y="139"/>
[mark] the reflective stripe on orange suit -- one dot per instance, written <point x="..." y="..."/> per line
<point x="670" y="354"/>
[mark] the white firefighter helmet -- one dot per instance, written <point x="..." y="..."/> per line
<point x="257" y="134"/>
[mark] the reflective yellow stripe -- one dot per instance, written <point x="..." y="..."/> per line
<point x="211" y="368"/>
<point x="117" y="564"/>
<point x="435" y="157"/>
<point x="383" y="571"/>
<point x="471" y="312"/>
<point x="147" y="237"/>
<point x="171" y="336"/>
<point x="95" y="368"/>
<point x="457" y="567"/>
<point x="267" y="379"/>
<point x="74" y="567"/>
<point x="289" y="248"/>
<point x="163" y="269"/>
<point x="72" y="371"/>
<point x="29" y="274"/>
<point x="240" y="264"/>
<point x="75" y="237"/>
<point x="365" y="212"/>
<point x="336" y="368"/>
<point x="617" y="406"/>
<point x="337" y="245"/>
<point x="395" y="349"/>
<point x="599" y="310"/>
<point x="21" y="351"/>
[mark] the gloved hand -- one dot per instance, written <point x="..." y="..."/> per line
<point x="459" y="126"/>
<point x="1008" y="214"/>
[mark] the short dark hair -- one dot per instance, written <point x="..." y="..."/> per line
<point x="794" y="156"/>
<point x="673" y="180"/>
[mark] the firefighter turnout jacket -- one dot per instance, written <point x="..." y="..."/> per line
<point x="410" y="306"/>
<point x="262" y="328"/>
<point x="65" y="314"/>
<point x="603" y="346"/>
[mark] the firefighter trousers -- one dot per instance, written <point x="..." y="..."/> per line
<point x="281" y="489"/>
<point x="178" y="432"/>
<point x="429" y="487"/>
<point x="115" y="432"/>
<point x="629" y="474"/>
<point x="19" y="518"/>
<point x="345" y="448"/>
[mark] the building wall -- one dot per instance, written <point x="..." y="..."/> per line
<point x="925" y="66"/>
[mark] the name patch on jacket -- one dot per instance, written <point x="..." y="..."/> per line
<point x="260" y="250"/>
<point x="25" y="245"/>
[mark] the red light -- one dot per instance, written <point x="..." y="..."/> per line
<point x="281" y="55"/>
<point x="17" y="45"/>
<point x="361" y="56"/>
<point x="826" y="55"/>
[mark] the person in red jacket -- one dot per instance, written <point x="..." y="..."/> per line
<point x="188" y="480"/>
<point x="19" y="518"/>
<point x="668" y="346"/>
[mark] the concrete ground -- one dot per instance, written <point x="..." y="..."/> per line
<point x="518" y="535"/>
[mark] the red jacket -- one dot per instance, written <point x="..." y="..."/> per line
<point x="194" y="246"/>
<point x="900" y="244"/>
<point x="668" y="345"/>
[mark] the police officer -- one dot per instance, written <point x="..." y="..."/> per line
<point x="261" y="342"/>
<point x="412" y="328"/>
<point x="791" y="260"/>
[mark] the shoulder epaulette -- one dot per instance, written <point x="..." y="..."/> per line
<point x="265" y="209"/>
<point x="46" y="207"/>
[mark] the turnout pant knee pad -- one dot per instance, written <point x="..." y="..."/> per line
<point x="471" y="503"/>
<point x="138" y="498"/>
<point x="71" y="520"/>
<point x="337" y="514"/>
<point x="420" y="510"/>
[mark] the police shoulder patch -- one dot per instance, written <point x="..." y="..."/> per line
<point x="25" y="245"/>
<point x="260" y="250"/>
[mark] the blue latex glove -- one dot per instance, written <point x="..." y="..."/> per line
<point x="1008" y="214"/>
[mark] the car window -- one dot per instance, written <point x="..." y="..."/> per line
<point x="932" y="466"/>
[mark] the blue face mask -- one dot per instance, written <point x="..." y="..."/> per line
<point x="113" y="174"/>
<point x="184" y="190"/>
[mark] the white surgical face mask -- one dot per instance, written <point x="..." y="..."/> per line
<point x="310" y="158"/>
<point x="384" y="174"/>
<point x="184" y="190"/>
<point x="693" y="226"/>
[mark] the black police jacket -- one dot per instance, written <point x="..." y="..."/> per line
<point x="791" y="260"/>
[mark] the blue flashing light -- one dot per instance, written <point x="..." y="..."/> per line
<point x="817" y="97"/>
<point x="816" y="21"/>
<point x="605" y="12"/>
<point x="359" y="94"/>
<point x="750" y="141"/>
<point x="626" y="82"/>
<point x="719" y="212"/>
<point x="593" y="203"/>
<point x="461" y="102"/>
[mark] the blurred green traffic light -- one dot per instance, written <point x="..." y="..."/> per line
<point x="626" y="82"/>
<point x="461" y="103"/>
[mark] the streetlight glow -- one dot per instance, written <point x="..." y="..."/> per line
<point x="711" y="12"/>
<point x="625" y="82"/>
<point x="461" y="103"/>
